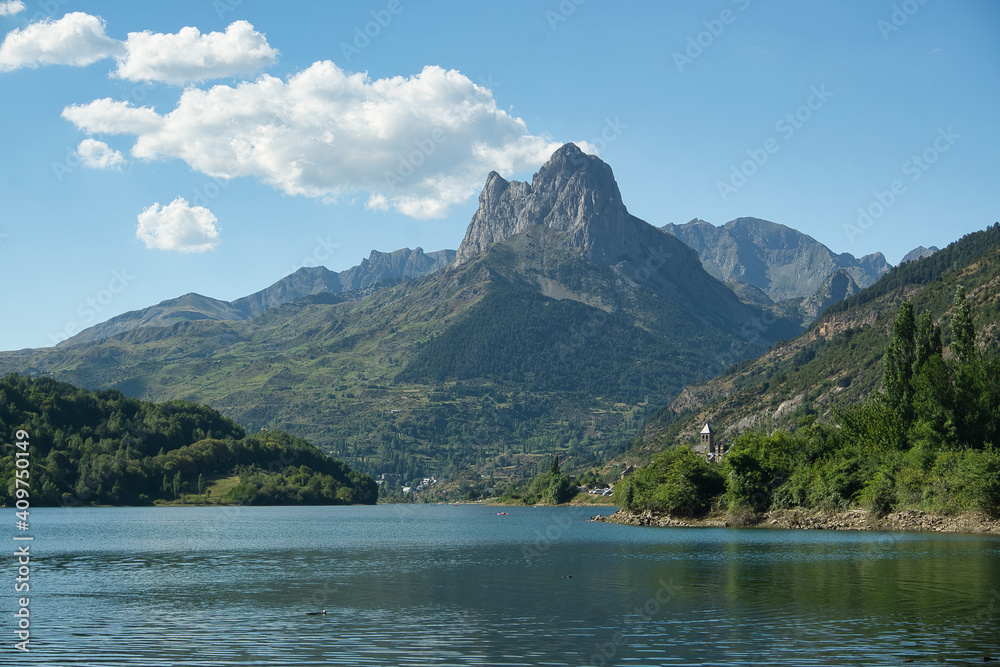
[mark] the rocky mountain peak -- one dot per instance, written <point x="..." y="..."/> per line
<point x="573" y="192"/>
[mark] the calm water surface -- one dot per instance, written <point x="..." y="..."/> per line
<point x="444" y="585"/>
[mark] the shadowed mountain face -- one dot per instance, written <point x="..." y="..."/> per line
<point x="783" y="262"/>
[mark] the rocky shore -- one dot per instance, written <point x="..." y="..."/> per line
<point x="857" y="519"/>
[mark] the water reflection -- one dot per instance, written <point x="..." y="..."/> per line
<point x="453" y="586"/>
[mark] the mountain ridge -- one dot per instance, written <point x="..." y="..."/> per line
<point x="304" y="282"/>
<point x="783" y="262"/>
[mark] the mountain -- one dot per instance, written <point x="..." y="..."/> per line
<point x="561" y="321"/>
<point x="307" y="281"/>
<point x="783" y="262"/>
<point x="838" y="362"/>
<point x="918" y="253"/>
<point x="575" y="201"/>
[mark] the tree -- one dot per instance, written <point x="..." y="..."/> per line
<point x="554" y="468"/>
<point x="963" y="333"/>
<point x="928" y="341"/>
<point x="561" y="490"/>
<point x="177" y="485"/>
<point x="201" y="483"/>
<point x="897" y="372"/>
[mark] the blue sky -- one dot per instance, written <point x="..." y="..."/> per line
<point x="152" y="150"/>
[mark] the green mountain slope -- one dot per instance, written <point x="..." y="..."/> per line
<point x="837" y="363"/>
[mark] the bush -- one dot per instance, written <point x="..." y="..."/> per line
<point x="678" y="481"/>
<point x="879" y="494"/>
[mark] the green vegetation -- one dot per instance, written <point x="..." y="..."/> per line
<point x="838" y="364"/>
<point x="92" y="447"/>
<point x="926" y="443"/>
<point x="550" y="486"/>
<point x="679" y="481"/>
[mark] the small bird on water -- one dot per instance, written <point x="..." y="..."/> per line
<point x="316" y="613"/>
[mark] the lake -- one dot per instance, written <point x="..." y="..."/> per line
<point x="462" y="585"/>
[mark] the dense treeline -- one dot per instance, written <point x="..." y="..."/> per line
<point x="926" y="442"/>
<point x="99" y="447"/>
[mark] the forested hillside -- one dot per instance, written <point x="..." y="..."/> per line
<point x="99" y="447"/>
<point x="837" y="363"/>
<point x="927" y="442"/>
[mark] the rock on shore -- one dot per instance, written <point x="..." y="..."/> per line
<point x="856" y="519"/>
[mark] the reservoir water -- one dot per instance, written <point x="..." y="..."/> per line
<point x="462" y="585"/>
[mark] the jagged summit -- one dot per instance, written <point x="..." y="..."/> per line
<point x="573" y="193"/>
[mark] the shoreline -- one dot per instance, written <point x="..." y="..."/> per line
<point x="801" y="519"/>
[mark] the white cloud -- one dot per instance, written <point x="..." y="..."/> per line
<point x="108" y="116"/>
<point x="11" y="7"/>
<point x="178" y="226"/>
<point x="192" y="56"/>
<point x="418" y="144"/>
<point x="76" y="39"/>
<point x="377" y="202"/>
<point x="98" y="155"/>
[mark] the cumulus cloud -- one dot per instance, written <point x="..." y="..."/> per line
<point x="418" y="144"/>
<point x="11" y="7"/>
<point x="76" y="39"/>
<point x="108" y="116"/>
<point x="79" y="39"/>
<point x="178" y="226"/>
<point x="98" y="155"/>
<point x="191" y="56"/>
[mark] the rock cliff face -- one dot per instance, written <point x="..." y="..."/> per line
<point x="783" y="262"/>
<point x="575" y="200"/>
<point x="918" y="253"/>
<point x="838" y="286"/>
<point x="573" y="193"/>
